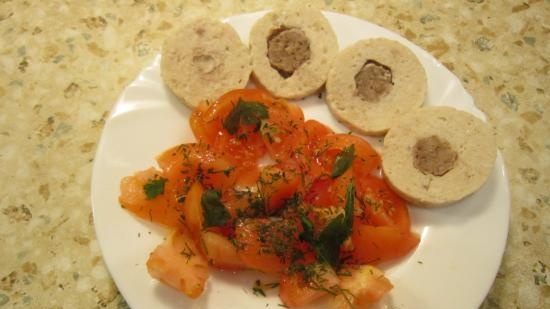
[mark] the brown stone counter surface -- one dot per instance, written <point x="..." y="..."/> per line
<point x="64" y="63"/>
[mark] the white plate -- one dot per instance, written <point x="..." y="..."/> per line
<point x="453" y="267"/>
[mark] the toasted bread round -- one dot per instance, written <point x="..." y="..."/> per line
<point x="373" y="82"/>
<point x="291" y="51"/>
<point x="438" y="155"/>
<point x="203" y="60"/>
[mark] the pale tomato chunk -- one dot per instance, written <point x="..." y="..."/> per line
<point x="221" y="253"/>
<point x="296" y="291"/>
<point x="178" y="263"/>
<point x="192" y="210"/>
<point x="364" y="285"/>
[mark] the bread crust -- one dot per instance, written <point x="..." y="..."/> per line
<point x="204" y="59"/>
<point x="375" y="118"/>
<point x="470" y="137"/>
<point x="312" y="74"/>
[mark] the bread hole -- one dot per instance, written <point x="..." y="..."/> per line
<point x="374" y="81"/>
<point x="206" y="63"/>
<point x="434" y="155"/>
<point x="287" y="50"/>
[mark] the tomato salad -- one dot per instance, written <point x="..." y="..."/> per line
<point x="314" y="214"/>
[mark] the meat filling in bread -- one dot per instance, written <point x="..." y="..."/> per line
<point x="433" y="155"/>
<point x="373" y="81"/>
<point x="287" y="50"/>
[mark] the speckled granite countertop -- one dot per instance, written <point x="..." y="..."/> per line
<point x="64" y="63"/>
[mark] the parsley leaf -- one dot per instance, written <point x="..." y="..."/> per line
<point x="215" y="213"/>
<point x="327" y="245"/>
<point x="154" y="187"/>
<point x="248" y="113"/>
<point x="336" y="232"/>
<point x="258" y="288"/>
<point x="343" y="161"/>
<point x="307" y="225"/>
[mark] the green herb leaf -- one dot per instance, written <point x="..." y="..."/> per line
<point x="343" y="161"/>
<point x="215" y="213"/>
<point x="257" y="289"/>
<point x="330" y="239"/>
<point x="334" y="234"/>
<point x="348" y="209"/>
<point x="225" y="171"/>
<point x="248" y="113"/>
<point x="307" y="225"/>
<point x="154" y="187"/>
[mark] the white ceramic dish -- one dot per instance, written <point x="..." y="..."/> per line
<point x="453" y="267"/>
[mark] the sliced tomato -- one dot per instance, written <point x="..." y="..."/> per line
<point x="374" y="244"/>
<point x="380" y="205"/>
<point x="160" y="208"/>
<point x="243" y="201"/>
<point x="278" y="183"/>
<point x="221" y="253"/>
<point x="315" y="131"/>
<point x="296" y="291"/>
<point x="326" y="191"/>
<point x="192" y="210"/>
<point x="178" y="263"/>
<point x="283" y="132"/>
<point x="364" y="285"/>
<point x="366" y="158"/>
<point x="207" y="123"/>
<point x="266" y="245"/>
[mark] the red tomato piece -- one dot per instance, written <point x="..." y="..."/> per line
<point x="207" y="123"/>
<point x="295" y="291"/>
<point x="366" y="283"/>
<point x="159" y="209"/>
<point x="265" y="244"/>
<point x="374" y="244"/>
<point x="380" y="205"/>
<point x="366" y="158"/>
<point x="278" y="184"/>
<point x="178" y="263"/>
<point x="220" y="251"/>
<point x="283" y="132"/>
<point x="192" y="211"/>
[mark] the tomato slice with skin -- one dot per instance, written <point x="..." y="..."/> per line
<point x="220" y="252"/>
<point x="366" y="158"/>
<point x="161" y="209"/>
<point x="283" y="132"/>
<point x="266" y="245"/>
<point x="326" y="191"/>
<point x="192" y="210"/>
<point x="375" y="244"/>
<point x="366" y="283"/>
<point x="207" y="123"/>
<point x="278" y="183"/>
<point x="178" y="263"/>
<point x="380" y="205"/>
<point x="296" y="291"/>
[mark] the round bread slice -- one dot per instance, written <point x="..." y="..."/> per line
<point x="438" y="155"/>
<point x="372" y="82"/>
<point x="291" y="51"/>
<point x="203" y="60"/>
